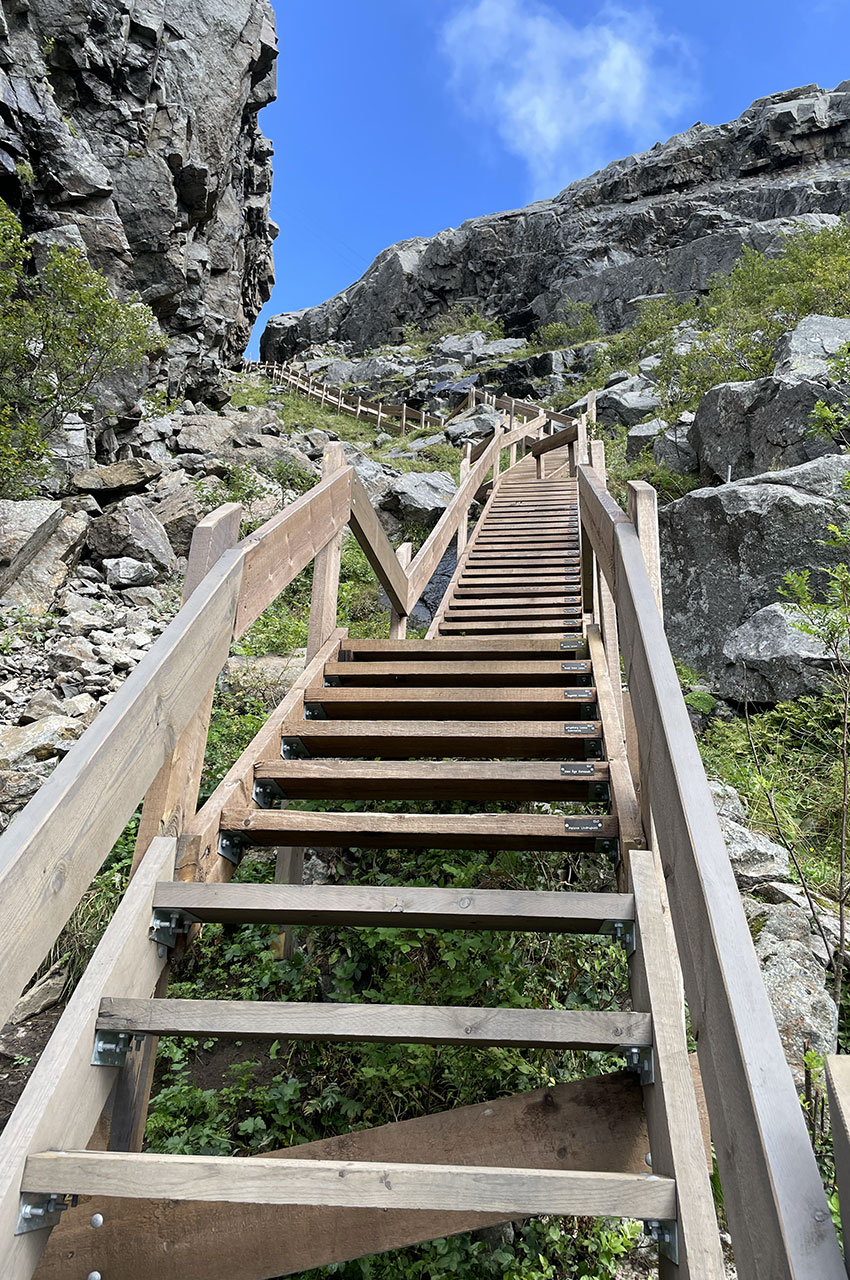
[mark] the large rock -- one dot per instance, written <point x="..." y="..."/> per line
<point x="642" y="436"/>
<point x="773" y="659"/>
<point x="36" y="586"/>
<point x="140" y="124"/>
<point x="744" y="428"/>
<point x="725" y="553"/>
<point x="806" y="351"/>
<point x="661" y="222"/>
<point x="179" y="513"/>
<point x="376" y="477"/>
<point x="39" y="740"/>
<point x="419" y="498"/>
<point x="627" y="403"/>
<point x="24" y="529"/>
<point x="118" y="477"/>
<point x="131" y="529"/>
<point x="756" y="860"/>
<point x="204" y="433"/>
<point x="473" y="425"/>
<point x="673" y="449"/>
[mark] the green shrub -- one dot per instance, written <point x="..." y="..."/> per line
<point x="459" y="318"/>
<point x="61" y="333"/>
<point x="578" y="325"/>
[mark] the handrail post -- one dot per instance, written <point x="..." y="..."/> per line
<point x="643" y="513"/>
<point x="323" y="602"/>
<point x="398" y="621"/>
<point x="463" y="525"/>
<point x="607" y="609"/>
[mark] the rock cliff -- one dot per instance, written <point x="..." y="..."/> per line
<point x="662" y="221"/>
<point x="129" y="128"/>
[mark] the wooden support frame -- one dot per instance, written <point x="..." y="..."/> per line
<point x="326" y="566"/>
<point x="398" y="621"/>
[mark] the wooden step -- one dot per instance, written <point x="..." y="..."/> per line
<point x="550" y="601"/>
<point x="514" y="1192"/>
<point x="537" y="626"/>
<point x="454" y="703"/>
<point x="463" y="672"/>
<point x="378" y="1023"/>
<point x="388" y="907"/>
<point x="296" y="828"/>
<point x="567" y="614"/>
<point x="465" y="739"/>
<point x="436" y="780"/>
<point x="516" y="647"/>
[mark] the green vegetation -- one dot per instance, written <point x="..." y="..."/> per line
<point x="578" y="326"/>
<point x="61" y="333"/>
<point x="458" y="319"/>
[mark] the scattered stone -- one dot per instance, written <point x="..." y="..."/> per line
<point x="25" y="527"/>
<point x="37" y="583"/>
<point x="127" y="572"/>
<point x="42" y="995"/>
<point x="131" y="529"/>
<point x="204" y="433"/>
<point x="179" y="513"/>
<point x="51" y="736"/>
<point x="642" y="436"/>
<point x="118" y="477"/>
<point x="473" y="425"/>
<point x="44" y="703"/>
<point x="805" y="352"/>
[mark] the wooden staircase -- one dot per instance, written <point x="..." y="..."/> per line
<point x="507" y="708"/>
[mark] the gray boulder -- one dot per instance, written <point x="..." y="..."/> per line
<point x="25" y="527"/>
<point x="36" y="585"/>
<point x="118" y="477"/>
<point x="338" y="372"/>
<point x="755" y="859"/>
<point x="626" y="403"/>
<point x="744" y="428"/>
<point x="205" y="433"/>
<point x="419" y="498"/>
<point x="725" y="553"/>
<point x="131" y="529"/>
<point x="643" y="436"/>
<point x="501" y="347"/>
<point x="805" y="352"/>
<point x="673" y="449"/>
<point x="374" y="368"/>
<point x="179" y="513"/>
<point x="772" y="659"/>
<point x="463" y="347"/>
<point x="39" y="740"/>
<point x="126" y="572"/>
<point x="375" y="477"/>
<point x="473" y="425"/>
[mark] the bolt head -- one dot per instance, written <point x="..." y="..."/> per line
<point x="94" y="1275"/>
<point x="97" y="1219"/>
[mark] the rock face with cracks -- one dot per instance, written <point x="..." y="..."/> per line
<point x="663" y="221"/>
<point x="129" y="130"/>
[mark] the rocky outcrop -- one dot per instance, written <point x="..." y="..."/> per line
<point x="130" y="130"/>
<point x="662" y="221"/>
<point x="724" y="555"/>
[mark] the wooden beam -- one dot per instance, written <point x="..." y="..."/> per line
<point x="351" y="1183"/>
<point x="377" y="547"/>
<point x="398" y="907"/>
<point x="838" y="1090"/>
<point x="65" y="1094"/>
<point x="398" y="621"/>
<point x="325" y="594"/>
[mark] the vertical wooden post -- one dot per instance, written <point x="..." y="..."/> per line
<point x="380" y="411"/>
<point x="323" y="604"/>
<point x="591" y="405"/>
<point x="643" y="513"/>
<point x="470" y="399"/>
<point x="339" y="401"/>
<point x="359" y="405"/>
<point x="497" y="461"/>
<point x="463" y="524"/>
<point x="422" y="416"/>
<point x="581" y="440"/>
<point x="398" y="621"/>
<point x="513" y="414"/>
<point x="403" y="417"/>
<point x="512" y="454"/>
<point x="324" y="394"/>
<point x="607" y="607"/>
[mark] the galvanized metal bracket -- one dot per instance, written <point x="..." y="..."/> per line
<point x="267" y="792"/>
<point x="293" y="749"/>
<point x="622" y="931"/>
<point x="111" y="1048"/>
<point x="231" y="845"/>
<point x="642" y="1061"/>
<point x="38" y="1212"/>
<point x="314" y="711"/>
<point x="666" y="1236"/>
<point x="167" y="926"/>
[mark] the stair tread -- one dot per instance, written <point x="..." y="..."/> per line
<point x="535" y="739"/>
<point x="435" y="780"/>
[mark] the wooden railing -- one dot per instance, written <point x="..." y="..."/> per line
<point x="773" y="1194"/>
<point x="149" y="740"/>
<point x="389" y="417"/>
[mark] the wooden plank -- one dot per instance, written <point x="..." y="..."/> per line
<point x="594" y="1124"/>
<point x="600" y="517"/>
<point x="607" y="607"/>
<point x="173" y="795"/>
<point x="377" y="547"/>
<point x="378" y="1023"/>
<point x="199" y="856"/>
<point x="434" y="780"/>
<point x="398" y="621"/>
<point x="396" y="739"/>
<point x="537" y="625"/>
<point x="326" y="566"/>
<point x="623" y="798"/>
<point x="53" y="849"/>
<point x="557" y="441"/>
<point x="643" y="513"/>
<point x="774" y="1197"/>
<point x="459" y="672"/>
<point x="436" y="649"/>
<point x="390" y="907"/>
<point x="283" y="546"/>
<point x="457" y="703"/>
<point x="416" y="830"/>
<point x="838" y="1090"/>
<point x="673" y="1117"/>
<point x="344" y="1182"/>
<point x="65" y="1094"/>
<point x="568" y="614"/>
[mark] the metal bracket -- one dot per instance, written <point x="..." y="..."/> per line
<point x="623" y="931"/>
<point x="267" y="792"/>
<point x="592" y="749"/>
<point x="167" y="926"/>
<point x="110" y="1048"/>
<point x="231" y="845"/>
<point x="666" y="1236"/>
<point x="37" y="1212"/>
<point x="642" y="1060"/>
<point x="314" y="711"/>
<point x="293" y="749"/>
<point x="332" y="682"/>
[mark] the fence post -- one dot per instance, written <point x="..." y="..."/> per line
<point x="403" y="417"/>
<point x="463" y="525"/>
<point x="398" y="621"/>
<point x="323" y="603"/>
<point x="380" y="411"/>
<point x="643" y="513"/>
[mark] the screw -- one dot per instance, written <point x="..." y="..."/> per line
<point x="97" y="1219"/>
<point x="94" y="1275"/>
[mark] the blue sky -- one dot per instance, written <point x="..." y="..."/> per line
<point x="396" y="118"/>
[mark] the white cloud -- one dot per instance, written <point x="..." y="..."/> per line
<point x="556" y="90"/>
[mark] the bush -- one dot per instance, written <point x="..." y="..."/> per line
<point x="61" y="333"/>
<point x="459" y="318"/>
<point x="579" y="325"/>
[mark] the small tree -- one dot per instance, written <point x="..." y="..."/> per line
<point x="61" y="333"/>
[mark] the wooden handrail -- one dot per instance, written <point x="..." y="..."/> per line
<point x="556" y="441"/>
<point x="774" y="1199"/>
